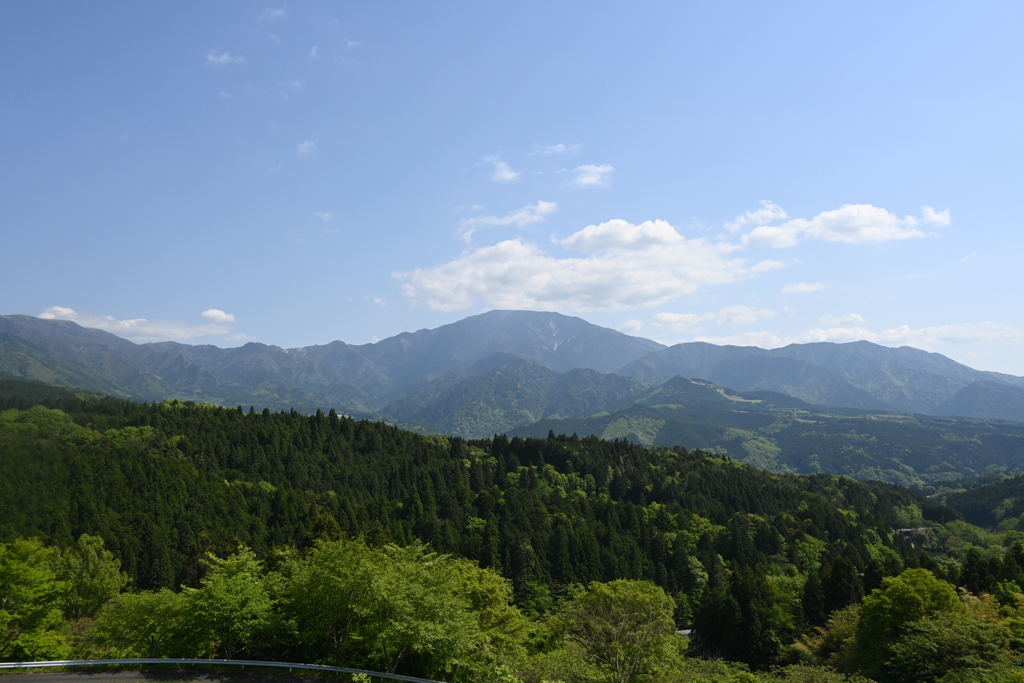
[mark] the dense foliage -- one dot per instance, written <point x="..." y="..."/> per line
<point x="177" y="528"/>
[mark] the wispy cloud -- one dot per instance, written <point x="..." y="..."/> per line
<point x="306" y="148"/>
<point x="766" y="265"/>
<point x="743" y="315"/>
<point x="503" y="173"/>
<point x="840" y="320"/>
<point x="631" y="326"/>
<point x="679" y="322"/>
<point x="531" y="213"/>
<point x="143" y="329"/>
<point x="325" y="216"/>
<point x="560" y="148"/>
<point x="766" y="214"/>
<point x="216" y="58"/>
<point x="273" y="14"/>
<point x="590" y="175"/>
<point x="967" y="258"/>
<point x="730" y="315"/>
<point x="313" y="53"/>
<point x="804" y="287"/>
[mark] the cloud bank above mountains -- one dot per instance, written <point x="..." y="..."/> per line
<point x="625" y="265"/>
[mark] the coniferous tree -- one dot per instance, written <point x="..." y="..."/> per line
<point x="844" y="587"/>
<point x="812" y="600"/>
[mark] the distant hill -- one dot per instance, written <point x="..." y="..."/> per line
<point x="857" y="374"/>
<point x="502" y="392"/>
<point x="985" y="399"/>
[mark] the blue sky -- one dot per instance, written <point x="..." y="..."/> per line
<point x="296" y="173"/>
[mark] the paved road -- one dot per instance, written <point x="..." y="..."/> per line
<point x="161" y="676"/>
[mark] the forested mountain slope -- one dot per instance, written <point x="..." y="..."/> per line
<point x="164" y="483"/>
<point x="784" y="434"/>
<point x="856" y="374"/>
<point x="479" y="402"/>
<point x="357" y="379"/>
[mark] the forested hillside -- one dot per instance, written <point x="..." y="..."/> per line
<point x="854" y="375"/>
<point x="490" y="557"/>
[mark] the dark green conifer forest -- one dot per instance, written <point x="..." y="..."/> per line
<point x="176" y="529"/>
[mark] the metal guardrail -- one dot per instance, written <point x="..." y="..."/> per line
<point x="216" y="662"/>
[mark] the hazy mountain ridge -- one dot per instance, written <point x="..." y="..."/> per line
<point x="402" y="376"/>
<point x="356" y="379"/>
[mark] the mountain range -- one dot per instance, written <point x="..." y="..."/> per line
<point x="523" y="372"/>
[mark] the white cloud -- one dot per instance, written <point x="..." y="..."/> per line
<point x="743" y="315"/>
<point x="930" y="215"/>
<point x="325" y="216"/>
<point x="620" y="234"/>
<point x="967" y="258"/>
<point x="766" y="214"/>
<point x="804" y="287"/>
<point x="218" y="316"/>
<point x="631" y="326"/>
<point x="532" y="213"/>
<point x="625" y="266"/>
<point x="273" y="14"/>
<point x="590" y="175"/>
<point x="142" y="329"/>
<point x="306" y="148"/>
<point x="313" y="54"/>
<point x="223" y="58"/>
<point x="850" y="223"/>
<point x="834" y="321"/>
<point x="560" y="148"/>
<point x="379" y="301"/>
<point x="58" y="313"/>
<point x="351" y="44"/>
<point x="503" y="173"/>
